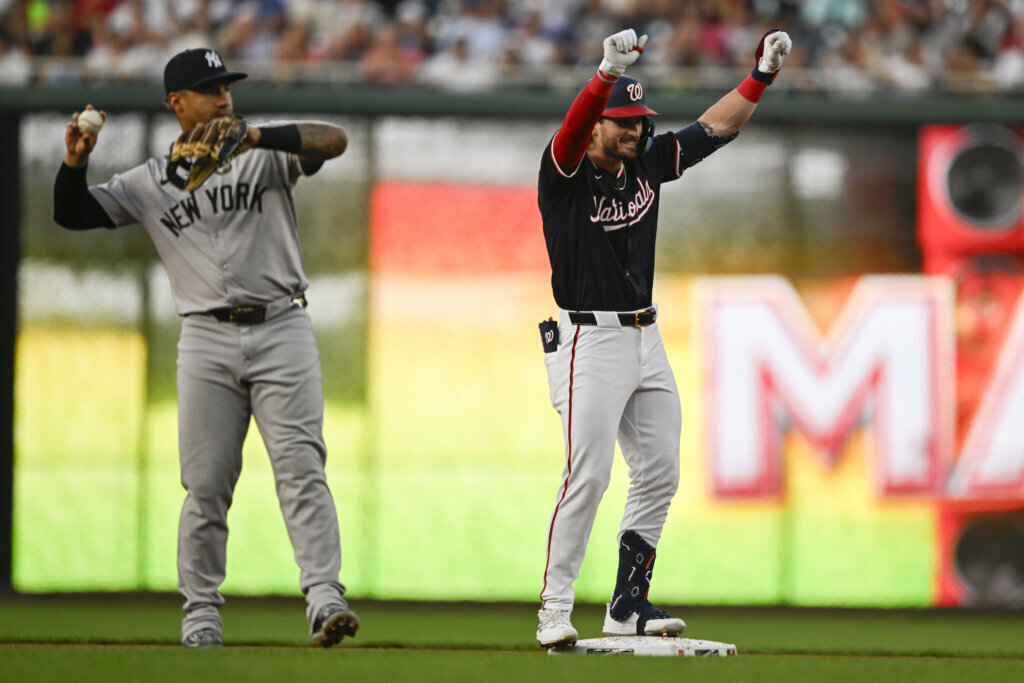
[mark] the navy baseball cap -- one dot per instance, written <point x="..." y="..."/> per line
<point x="627" y="99"/>
<point x="190" y="69"/>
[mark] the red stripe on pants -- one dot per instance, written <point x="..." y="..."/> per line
<point x="565" y="484"/>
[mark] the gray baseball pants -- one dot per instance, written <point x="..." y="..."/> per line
<point x="226" y="373"/>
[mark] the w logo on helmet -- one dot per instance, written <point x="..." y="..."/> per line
<point x="627" y="99"/>
<point x="213" y="60"/>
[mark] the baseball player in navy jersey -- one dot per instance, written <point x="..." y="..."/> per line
<point x="609" y="378"/>
<point x="232" y="255"/>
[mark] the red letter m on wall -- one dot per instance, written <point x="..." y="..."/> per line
<point x="886" y="364"/>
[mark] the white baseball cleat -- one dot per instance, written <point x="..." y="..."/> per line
<point x="554" y="628"/>
<point x="657" y="623"/>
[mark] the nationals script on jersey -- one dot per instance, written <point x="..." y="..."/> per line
<point x="232" y="241"/>
<point x="600" y="227"/>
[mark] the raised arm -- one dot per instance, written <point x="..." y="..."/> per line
<point x="74" y="207"/>
<point x="725" y="117"/>
<point x="571" y="140"/>
<point x="78" y="143"/>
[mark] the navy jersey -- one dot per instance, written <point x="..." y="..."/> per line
<point x="600" y="227"/>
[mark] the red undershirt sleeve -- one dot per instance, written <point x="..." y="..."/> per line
<point x="571" y="140"/>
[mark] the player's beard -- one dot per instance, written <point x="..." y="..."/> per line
<point x="615" y="148"/>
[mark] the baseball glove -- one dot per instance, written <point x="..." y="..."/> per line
<point x="210" y="147"/>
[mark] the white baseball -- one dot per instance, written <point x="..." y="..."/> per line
<point x="90" y="122"/>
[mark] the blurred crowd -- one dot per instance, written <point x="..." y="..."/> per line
<point x="846" y="46"/>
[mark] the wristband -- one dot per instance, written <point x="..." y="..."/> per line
<point x="284" y="138"/>
<point x="764" y="77"/>
<point x="752" y="89"/>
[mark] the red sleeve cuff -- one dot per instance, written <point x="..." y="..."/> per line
<point x="751" y="89"/>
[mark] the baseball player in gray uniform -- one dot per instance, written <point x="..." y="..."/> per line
<point x="232" y="254"/>
<point x="609" y="377"/>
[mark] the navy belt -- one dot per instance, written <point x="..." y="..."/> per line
<point x="251" y="314"/>
<point x="637" y="319"/>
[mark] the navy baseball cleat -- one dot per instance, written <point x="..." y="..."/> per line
<point x="203" y="638"/>
<point x="630" y="613"/>
<point x="334" y="622"/>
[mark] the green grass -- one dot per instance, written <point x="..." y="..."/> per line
<point x="134" y="637"/>
<point x="252" y="665"/>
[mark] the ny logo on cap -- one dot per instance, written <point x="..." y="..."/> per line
<point x="213" y="60"/>
<point x="636" y="91"/>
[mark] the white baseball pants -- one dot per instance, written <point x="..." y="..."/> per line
<point x="608" y="382"/>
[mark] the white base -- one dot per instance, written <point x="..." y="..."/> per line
<point x="649" y="646"/>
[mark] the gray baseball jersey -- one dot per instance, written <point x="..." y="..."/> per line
<point x="231" y="242"/>
<point x="234" y="242"/>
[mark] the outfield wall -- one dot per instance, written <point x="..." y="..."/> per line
<point x="428" y="277"/>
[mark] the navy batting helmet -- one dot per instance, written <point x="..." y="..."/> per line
<point x="627" y="99"/>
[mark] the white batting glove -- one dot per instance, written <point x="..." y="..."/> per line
<point x="776" y="46"/>
<point x="621" y="50"/>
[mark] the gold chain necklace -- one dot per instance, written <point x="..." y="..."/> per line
<point x="624" y="179"/>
